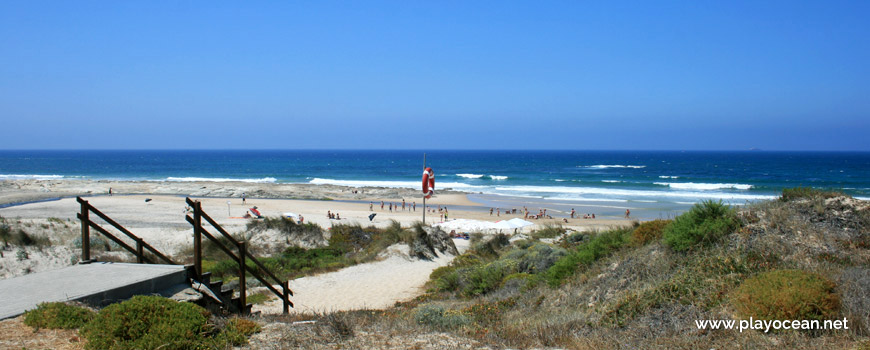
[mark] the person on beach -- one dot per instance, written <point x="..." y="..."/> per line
<point x="243" y="197"/>
<point x="572" y="213"/>
<point x="370" y="206"/>
<point x="301" y="219"/>
<point x="110" y="191"/>
<point x="414" y="204"/>
<point x="403" y="204"/>
<point x="382" y="205"/>
<point x="497" y="211"/>
<point x="445" y="213"/>
<point x="391" y="207"/>
<point x="329" y="214"/>
<point x="627" y="213"/>
<point x="490" y="211"/>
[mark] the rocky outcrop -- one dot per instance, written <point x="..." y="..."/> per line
<point x="431" y="242"/>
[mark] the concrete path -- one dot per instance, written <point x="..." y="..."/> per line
<point x="95" y="283"/>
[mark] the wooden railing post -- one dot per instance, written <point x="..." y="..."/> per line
<point x="242" y="292"/>
<point x="140" y="253"/>
<point x="286" y="286"/>
<point x="86" y="231"/>
<point x="197" y="238"/>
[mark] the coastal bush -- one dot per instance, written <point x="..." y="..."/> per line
<point x="383" y="238"/>
<point x="97" y="243"/>
<point x="58" y="316"/>
<point x="291" y="263"/>
<point x="20" y="237"/>
<point x="149" y="322"/>
<point x="574" y="239"/>
<point x="649" y="231"/>
<point x="490" y="248"/>
<point x="285" y="225"/>
<point x="236" y="331"/>
<point x="483" y="279"/>
<point x="597" y="247"/>
<point x="699" y="279"/>
<point x="549" y="231"/>
<point x="787" y="295"/>
<point x="349" y="238"/>
<point x="519" y="282"/>
<point x="796" y="193"/>
<point x="705" y="223"/>
<point x="437" y="316"/>
<point x="536" y="258"/>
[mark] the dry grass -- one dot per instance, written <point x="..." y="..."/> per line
<point x="14" y="334"/>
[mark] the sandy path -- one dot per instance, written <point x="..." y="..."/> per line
<point x="374" y="285"/>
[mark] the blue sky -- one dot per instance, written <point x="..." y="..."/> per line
<point x="693" y="75"/>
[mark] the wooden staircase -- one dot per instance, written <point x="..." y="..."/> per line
<point x="219" y="298"/>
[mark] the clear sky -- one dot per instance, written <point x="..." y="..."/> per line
<point x="693" y="75"/>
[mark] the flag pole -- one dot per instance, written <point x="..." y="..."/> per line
<point x="424" y="195"/>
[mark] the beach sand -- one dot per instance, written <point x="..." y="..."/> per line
<point x="161" y="223"/>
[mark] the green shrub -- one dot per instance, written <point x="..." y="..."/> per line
<point x="21" y="238"/>
<point x="519" y="281"/>
<point x="58" y="316"/>
<point x="705" y="223"/>
<point x="349" y="238"/>
<point x="489" y="248"/>
<point x="449" y="281"/>
<point x="259" y="297"/>
<point x="483" y="279"/>
<point x="649" y="231"/>
<point x="536" y="258"/>
<point x="148" y="322"/>
<point x="237" y="331"/>
<point x="597" y="247"/>
<point x="786" y="295"/>
<point x="791" y="194"/>
<point x="437" y="316"/>
<point x="549" y="231"/>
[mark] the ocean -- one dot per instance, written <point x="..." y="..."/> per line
<point x="660" y="181"/>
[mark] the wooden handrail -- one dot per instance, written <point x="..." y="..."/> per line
<point x="118" y="226"/>
<point x="117" y="240"/>
<point x="215" y="240"/>
<point x="253" y="272"/>
<point x="242" y="256"/>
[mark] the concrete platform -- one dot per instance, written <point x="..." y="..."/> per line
<point x="97" y="284"/>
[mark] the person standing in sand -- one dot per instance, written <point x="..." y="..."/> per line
<point x="415" y="205"/>
<point x="243" y="197"/>
<point x="382" y="205"/>
<point x="403" y="204"/>
<point x="370" y="206"/>
<point x="627" y="213"/>
<point x="572" y="213"/>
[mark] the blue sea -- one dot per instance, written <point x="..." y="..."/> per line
<point x="654" y="180"/>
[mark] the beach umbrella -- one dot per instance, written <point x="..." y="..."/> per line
<point x="519" y="223"/>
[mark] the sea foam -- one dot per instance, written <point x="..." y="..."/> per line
<point x="29" y="177"/>
<point x="703" y="186"/>
<point x="607" y="166"/>
<point x="213" y="179"/>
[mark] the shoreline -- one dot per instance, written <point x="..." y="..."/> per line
<point x="26" y="191"/>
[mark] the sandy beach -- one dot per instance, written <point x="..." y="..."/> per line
<point x="160" y="221"/>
